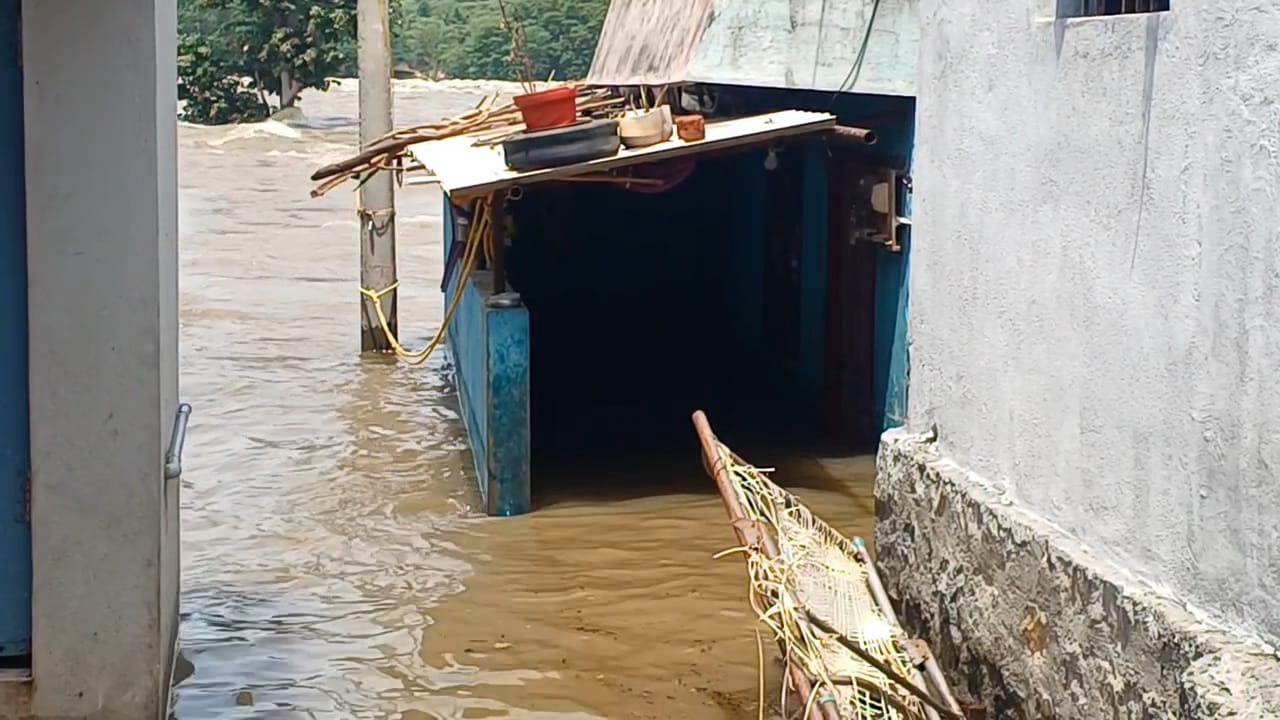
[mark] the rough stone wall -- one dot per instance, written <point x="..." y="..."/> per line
<point x="1094" y="303"/>
<point x="1025" y="619"/>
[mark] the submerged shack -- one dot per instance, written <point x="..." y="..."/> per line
<point x="757" y="271"/>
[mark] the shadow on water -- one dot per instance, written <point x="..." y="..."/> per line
<point x="604" y="467"/>
<point x="612" y="421"/>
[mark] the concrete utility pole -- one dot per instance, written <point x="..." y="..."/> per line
<point x="377" y="195"/>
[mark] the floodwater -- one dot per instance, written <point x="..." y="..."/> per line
<point x="333" y="565"/>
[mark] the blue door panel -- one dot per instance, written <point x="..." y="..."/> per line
<point x="15" y="449"/>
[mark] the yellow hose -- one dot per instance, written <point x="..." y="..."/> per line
<point x="475" y="238"/>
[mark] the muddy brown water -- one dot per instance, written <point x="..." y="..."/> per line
<point x="333" y="566"/>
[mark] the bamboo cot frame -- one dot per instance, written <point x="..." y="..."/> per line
<point x="935" y="695"/>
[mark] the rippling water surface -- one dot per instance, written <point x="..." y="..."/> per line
<point x="333" y="567"/>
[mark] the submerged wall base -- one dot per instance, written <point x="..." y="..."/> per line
<point x="489" y="338"/>
<point x="1027" y="621"/>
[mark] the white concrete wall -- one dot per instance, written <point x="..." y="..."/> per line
<point x="1095" y="288"/>
<point x="811" y="44"/>
<point x="102" y="245"/>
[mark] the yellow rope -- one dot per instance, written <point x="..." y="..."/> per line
<point x="418" y="357"/>
<point x="488" y="247"/>
<point x="760" y="701"/>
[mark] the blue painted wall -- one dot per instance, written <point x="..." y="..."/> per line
<point x="466" y="344"/>
<point x="15" y="449"/>
<point x="892" y="360"/>
<point x="893" y="120"/>
<point x="490" y="348"/>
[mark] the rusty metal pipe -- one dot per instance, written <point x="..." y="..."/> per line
<point x="498" y="231"/>
<point x="882" y="599"/>
<point x="853" y="136"/>
<point x="911" y="687"/>
<point x="715" y="467"/>
<point x="939" y="683"/>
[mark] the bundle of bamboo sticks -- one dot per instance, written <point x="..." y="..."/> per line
<point x="490" y="121"/>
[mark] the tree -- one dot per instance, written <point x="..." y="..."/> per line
<point x="464" y="38"/>
<point x="210" y="87"/>
<point x="233" y="50"/>
<point x="242" y="60"/>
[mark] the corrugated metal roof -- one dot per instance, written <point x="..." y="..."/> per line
<point x="649" y="42"/>
<point x="801" y="44"/>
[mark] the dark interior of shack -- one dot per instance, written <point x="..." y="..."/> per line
<point x="641" y="311"/>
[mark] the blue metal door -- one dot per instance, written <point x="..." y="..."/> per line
<point x="15" y="448"/>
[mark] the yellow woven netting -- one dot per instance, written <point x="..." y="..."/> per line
<point x="817" y="573"/>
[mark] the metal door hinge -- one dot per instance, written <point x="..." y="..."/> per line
<point x="24" y="510"/>
<point x="177" y="439"/>
<point x="887" y="207"/>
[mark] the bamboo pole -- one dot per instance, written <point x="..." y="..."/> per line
<point x="501" y="120"/>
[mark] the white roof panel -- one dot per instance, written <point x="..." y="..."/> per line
<point x="465" y="169"/>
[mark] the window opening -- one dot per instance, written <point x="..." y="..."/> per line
<point x="1090" y="8"/>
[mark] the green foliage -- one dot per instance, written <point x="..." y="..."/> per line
<point x="243" y="59"/>
<point x="210" y="87"/>
<point x="464" y="38"/>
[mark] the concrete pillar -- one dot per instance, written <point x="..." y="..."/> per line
<point x="377" y="214"/>
<point x="100" y="104"/>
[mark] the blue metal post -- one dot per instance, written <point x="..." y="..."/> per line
<point x="489" y="341"/>
<point x="891" y="362"/>
<point x="15" y="420"/>
<point x="447" y="223"/>
<point x="892" y="358"/>
<point x="508" y="444"/>
<point x="813" y="272"/>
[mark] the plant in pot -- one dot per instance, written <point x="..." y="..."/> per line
<point x="540" y="109"/>
<point x="645" y="125"/>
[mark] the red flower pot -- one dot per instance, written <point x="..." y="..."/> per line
<point x="548" y="109"/>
